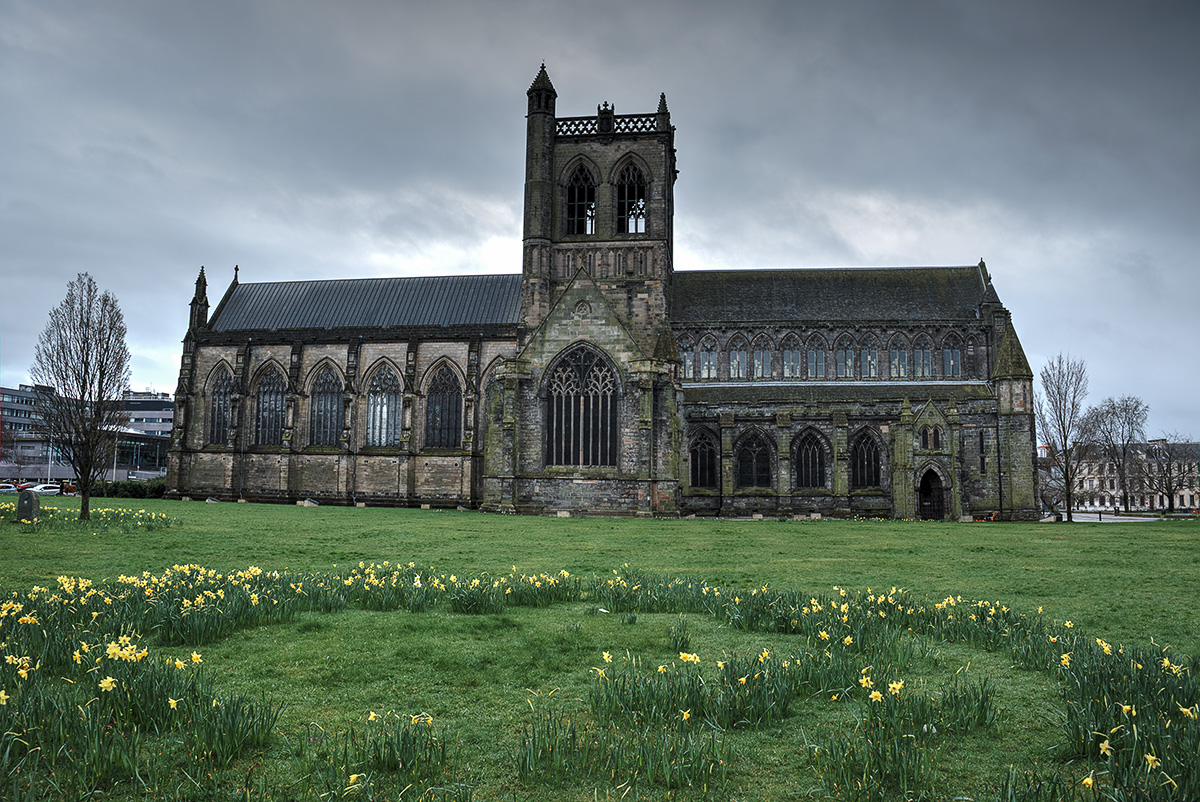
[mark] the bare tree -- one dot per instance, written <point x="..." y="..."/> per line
<point x="1063" y="424"/>
<point x="1118" y="424"/>
<point x="1170" y="466"/>
<point x="81" y="364"/>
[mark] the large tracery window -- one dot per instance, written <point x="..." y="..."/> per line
<point x="219" y="408"/>
<point x="753" y="462"/>
<point x="443" y="410"/>
<point x="705" y="462"/>
<point x="864" y="463"/>
<point x="792" y="358"/>
<point x="810" y="461"/>
<point x="383" y="409"/>
<point x="581" y="202"/>
<point x="631" y="201"/>
<point x="325" y="413"/>
<point x="582" y="413"/>
<point x="268" y="409"/>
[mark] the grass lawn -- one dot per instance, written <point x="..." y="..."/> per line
<point x="476" y="675"/>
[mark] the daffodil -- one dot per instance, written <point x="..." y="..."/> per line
<point x="847" y="640"/>
<point x="895" y="687"/>
<point x="686" y="714"/>
<point x="823" y="635"/>
<point x="107" y="684"/>
<point x="373" y="716"/>
<point x="196" y="657"/>
<point x="866" y="682"/>
<point x="3" y="697"/>
<point x="1065" y="659"/>
<point x="607" y="657"/>
<point x="1088" y="781"/>
<point x="1152" y="762"/>
<point x="876" y="696"/>
<point x="173" y="702"/>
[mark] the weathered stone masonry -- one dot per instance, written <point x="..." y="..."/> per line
<point x="601" y="381"/>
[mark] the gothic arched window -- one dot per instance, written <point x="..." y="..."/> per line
<point x="383" y="409"/>
<point x="581" y="202"/>
<point x="760" y="364"/>
<point x="816" y="359"/>
<point x="864" y="463"/>
<point x="870" y="360"/>
<point x="898" y="360"/>
<point x="325" y="412"/>
<point x="687" y="358"/>
<point x="844" y="358"/>
<point x="269" y="408"/>
<point x="582" y="415"/>
<point x="737" y="358"/>
<point x="792" y="358"/>
<point x="220" y="400"/>
<point x="810" y="461"/>
<point x="704" y="458"/>
<point x="931" y="438"/>
<point x="752" y="462"/>
<point x="922" y="359"/>
<point x="443" y="410"/>
<point x="951" y="358"/>
<point x="708" y="359"/>
<point x="631" y="201"/>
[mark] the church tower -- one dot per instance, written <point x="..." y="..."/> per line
<point x="599" y="198"/>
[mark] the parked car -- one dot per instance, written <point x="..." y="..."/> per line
<point x="7" y="488"/>
<point x="46" y="490"/>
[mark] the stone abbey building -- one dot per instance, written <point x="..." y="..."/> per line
<point x="600" y="380"/>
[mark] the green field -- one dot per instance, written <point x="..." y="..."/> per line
<point x="475" y="675"/>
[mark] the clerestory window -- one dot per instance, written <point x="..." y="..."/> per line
<point x="737" y="358"/>
<point x="816" y="360"/>
<point x="952" y="359"/>
<point x="582" y="415"/>
<point x="760" y="365"/>
<point x="844" y="359"/>
<point x="870" y="360"/>
<point x="792" y="358"/>
<point x="708" y="359"/>
<point x="922" y="359"/>
<point x="898" y="361"/>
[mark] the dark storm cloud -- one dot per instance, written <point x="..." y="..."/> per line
<point x="314" y="139"/>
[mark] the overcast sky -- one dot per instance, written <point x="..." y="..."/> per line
<point x="1059" y="141"/>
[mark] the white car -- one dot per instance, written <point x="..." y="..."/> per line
<point x="7" y="488"/>
<point x="46" y="490"/>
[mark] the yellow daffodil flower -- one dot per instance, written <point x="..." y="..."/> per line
<point x="107" y="684"/>
<point x="1152" y="762"/>
<point x="196" y="657"/>
<point x="173" y="702"/>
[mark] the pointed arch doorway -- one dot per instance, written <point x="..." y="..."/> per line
<point x="931" y="497"/>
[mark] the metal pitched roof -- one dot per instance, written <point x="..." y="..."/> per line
<point x="371" y="302"/>
<point x="850" y="294"/>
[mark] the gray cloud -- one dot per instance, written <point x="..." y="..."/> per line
<point x="309" y="139"/>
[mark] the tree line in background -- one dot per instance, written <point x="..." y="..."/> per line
<point x="1110" y="435"/>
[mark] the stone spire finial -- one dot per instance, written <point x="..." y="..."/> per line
<point x="662" y="103"/>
